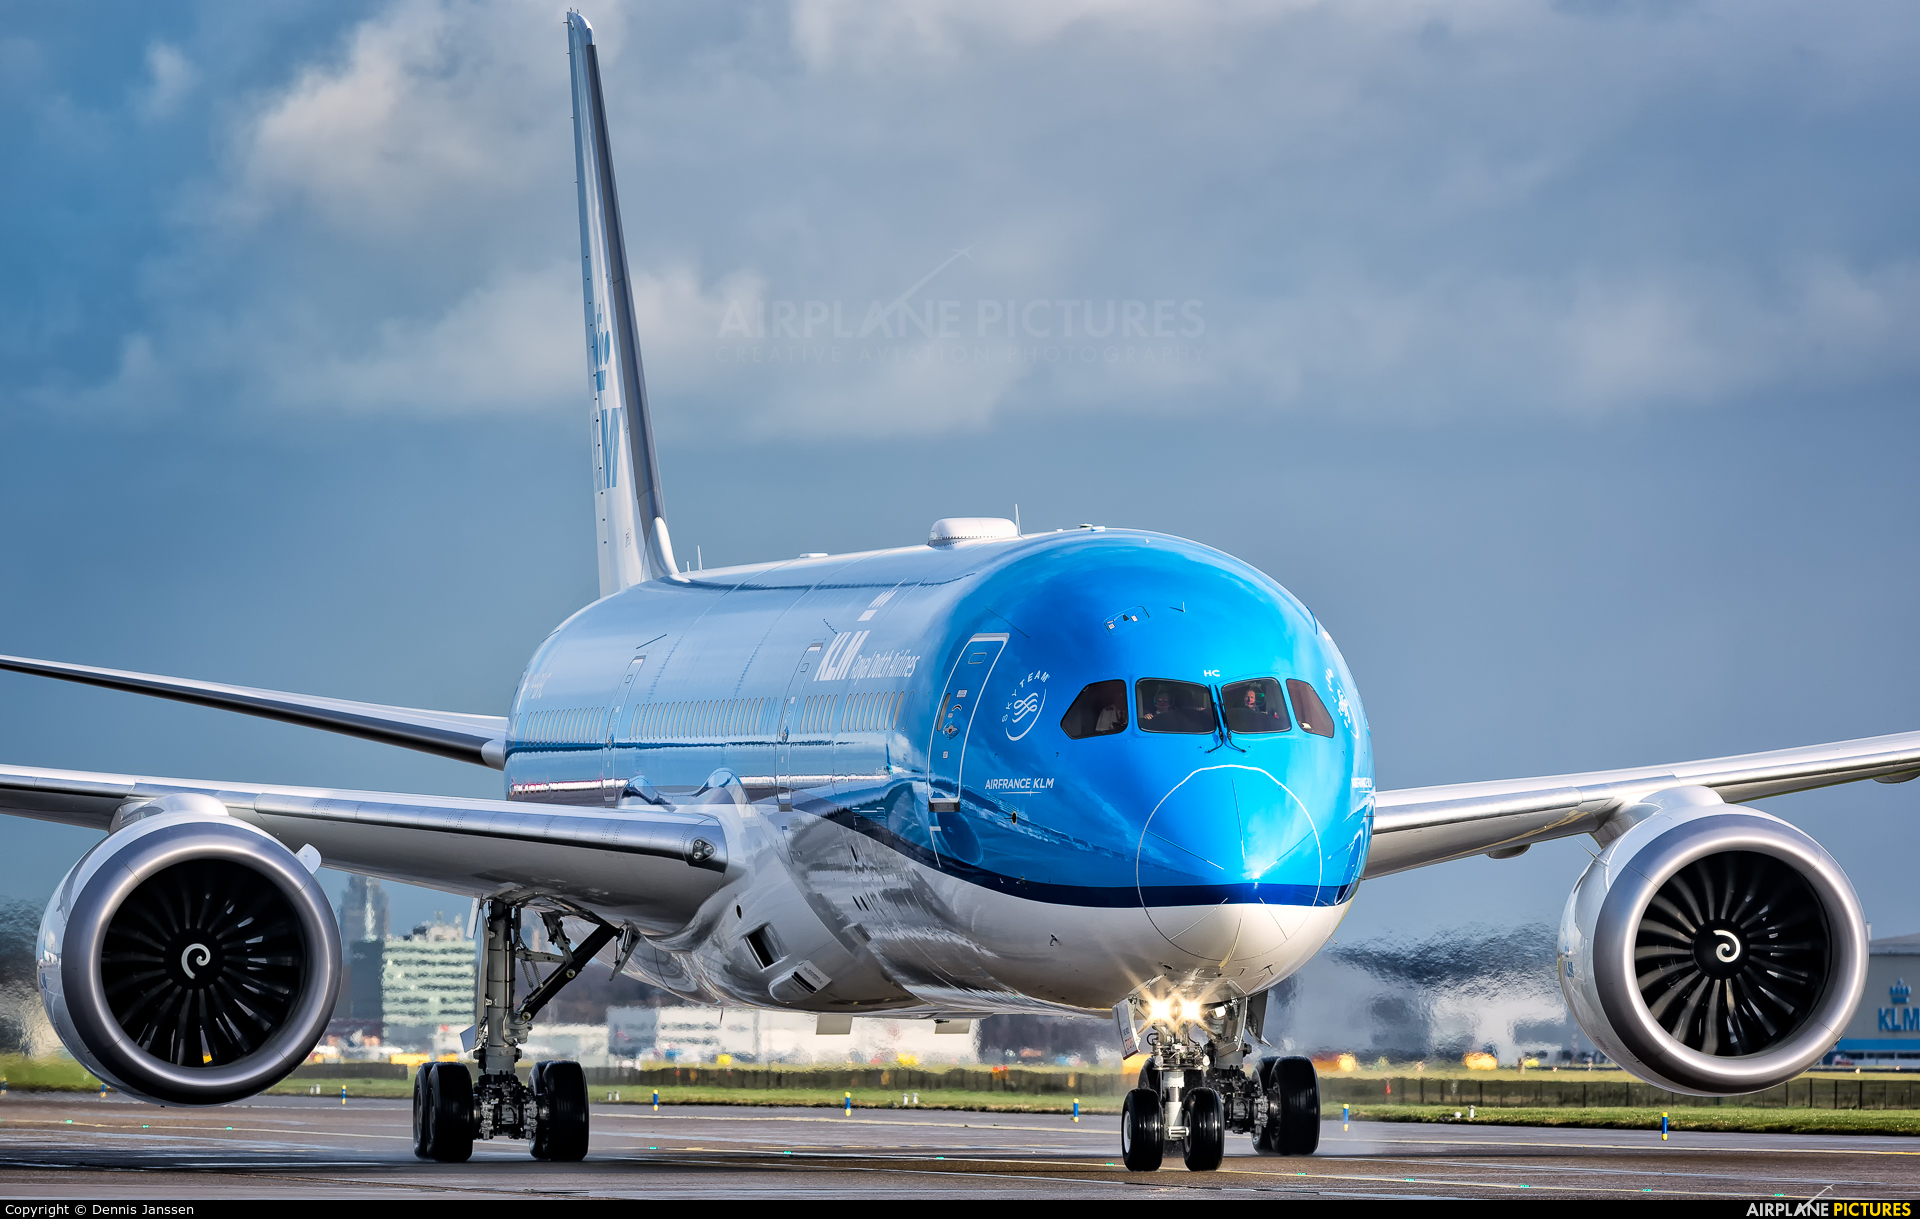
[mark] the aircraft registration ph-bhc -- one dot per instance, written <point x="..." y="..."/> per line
<point x="1088" y="770"/>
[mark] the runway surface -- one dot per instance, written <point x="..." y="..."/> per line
<point x="64" y="1148"/>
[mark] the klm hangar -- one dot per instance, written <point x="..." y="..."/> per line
<point x="1885" y="1029"/>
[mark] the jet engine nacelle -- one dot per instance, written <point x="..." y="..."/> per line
<point x="1712" y="949"/>
<point x="189" y="958"/>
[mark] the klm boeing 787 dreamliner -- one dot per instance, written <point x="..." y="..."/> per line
<point x="1093" y="770"/>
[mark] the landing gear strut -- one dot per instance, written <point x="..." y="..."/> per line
<point x="451" y="1109"/>
<point x="1197" y="1084"/>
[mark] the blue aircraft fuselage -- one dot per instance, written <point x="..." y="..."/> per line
<point x="990" y="717"/>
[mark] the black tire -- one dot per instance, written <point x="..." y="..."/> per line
<point x="448" y="1099"/>
<point x="537" y="1085"/>
<point x="1149" y="1077"/>
<point x="561" y="1089"/>
<point x="1264" y="1140"/>
<point x="1143" y="1131"/>
<point x="421" y="1135"/>
<point x="1206" y="1130"/>
<point x="1297" y="1090"/>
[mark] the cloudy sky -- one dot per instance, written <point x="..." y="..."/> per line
<point x="1562" y="356"/>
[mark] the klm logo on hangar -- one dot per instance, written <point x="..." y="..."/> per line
<point x="1900" y="1018"/>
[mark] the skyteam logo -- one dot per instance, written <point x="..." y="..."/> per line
<point x="1023" y="709"/>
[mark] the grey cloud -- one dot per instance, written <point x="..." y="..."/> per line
<point x="1390" y="209"/>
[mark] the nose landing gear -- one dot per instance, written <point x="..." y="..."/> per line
<point x="1197" y="1085"/>
<point x="451" y="1109"/>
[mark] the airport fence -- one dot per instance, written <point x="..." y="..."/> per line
<point x="352" y="1070"/>
<point x="1090" y="1082"/>
<point x="1555" y="1090"/>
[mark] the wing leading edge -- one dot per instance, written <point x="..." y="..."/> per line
<point x="450" y="734"/>
<point x="651" y="866"/>
<point x="1417" y="826"/>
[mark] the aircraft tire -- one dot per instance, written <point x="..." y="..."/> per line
<point x="1149" y="1076"/>
<point x="448" y="1106"/>
<point x="1297" y="1089"/>
<point x="562" y="1088"/>
<point x="420" y="1134"/>
<point x="1206" y="1130"/>
<point x="1143" y="1131"/>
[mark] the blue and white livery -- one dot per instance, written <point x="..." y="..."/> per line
<point x="1093" y="770"/>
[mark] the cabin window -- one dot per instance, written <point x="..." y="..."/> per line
<point x="1255" y="706"/>
<point x="1309" y="710"/>
<point x="1174" y="706"/>
<point x="1100" y="710"/>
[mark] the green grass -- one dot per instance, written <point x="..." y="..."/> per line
<point x="355" y="1087"/>
<point x="1736" y="1120"/>
<point x="863" y="1098"/>
<point x="46" y="1074"/>
<point x="817" y="1098"/>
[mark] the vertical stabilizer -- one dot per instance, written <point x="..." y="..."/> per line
<point x="628" y="505"/>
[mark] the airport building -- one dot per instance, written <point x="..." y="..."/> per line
<point x="738" y="1036"/>
<point x="426" y="983"/>
<point x="1885" y="1031"/>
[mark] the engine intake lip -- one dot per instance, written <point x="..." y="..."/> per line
<point x="1617" y="985"/>
<point x="90" y="1001"/>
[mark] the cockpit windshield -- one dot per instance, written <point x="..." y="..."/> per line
<point x="1254" y="706"/>
<point x="1312" y="712"/>
<point x="1101" y="710"/>
<point x="1174" y="706"/>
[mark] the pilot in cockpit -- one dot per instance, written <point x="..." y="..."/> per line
<point x="1255" y="714"/>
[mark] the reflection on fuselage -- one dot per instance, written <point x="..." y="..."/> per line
<point x="964" y="712"/>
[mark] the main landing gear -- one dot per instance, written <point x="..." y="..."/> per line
<point x="451" y="1108"/>
<point x="1197" y="1086"/>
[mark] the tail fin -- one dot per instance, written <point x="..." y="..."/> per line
<point x="627" y="501"/>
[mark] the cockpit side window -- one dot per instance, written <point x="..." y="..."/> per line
<point x="1309" y="710"/>
<point x="1100" y="710"/>
<point x="1254" y="706"/>
<point x="1174" y="706"/>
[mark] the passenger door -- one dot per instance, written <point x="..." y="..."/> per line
<point x="947" y="749"/>
<point x="611" y="780"/>
<point x="789" y="715"/>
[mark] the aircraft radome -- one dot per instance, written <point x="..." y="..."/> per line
<point x="1091" y="770"/>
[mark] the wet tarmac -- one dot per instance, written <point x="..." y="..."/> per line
<point x="65" y="1147"/>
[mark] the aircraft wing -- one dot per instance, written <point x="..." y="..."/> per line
<point x="652" y="866"/>
<point x="451" y="734"/>
<point x="1418" y="826"/>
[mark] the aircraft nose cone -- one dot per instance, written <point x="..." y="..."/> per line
<point x="1214" y="842"/>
